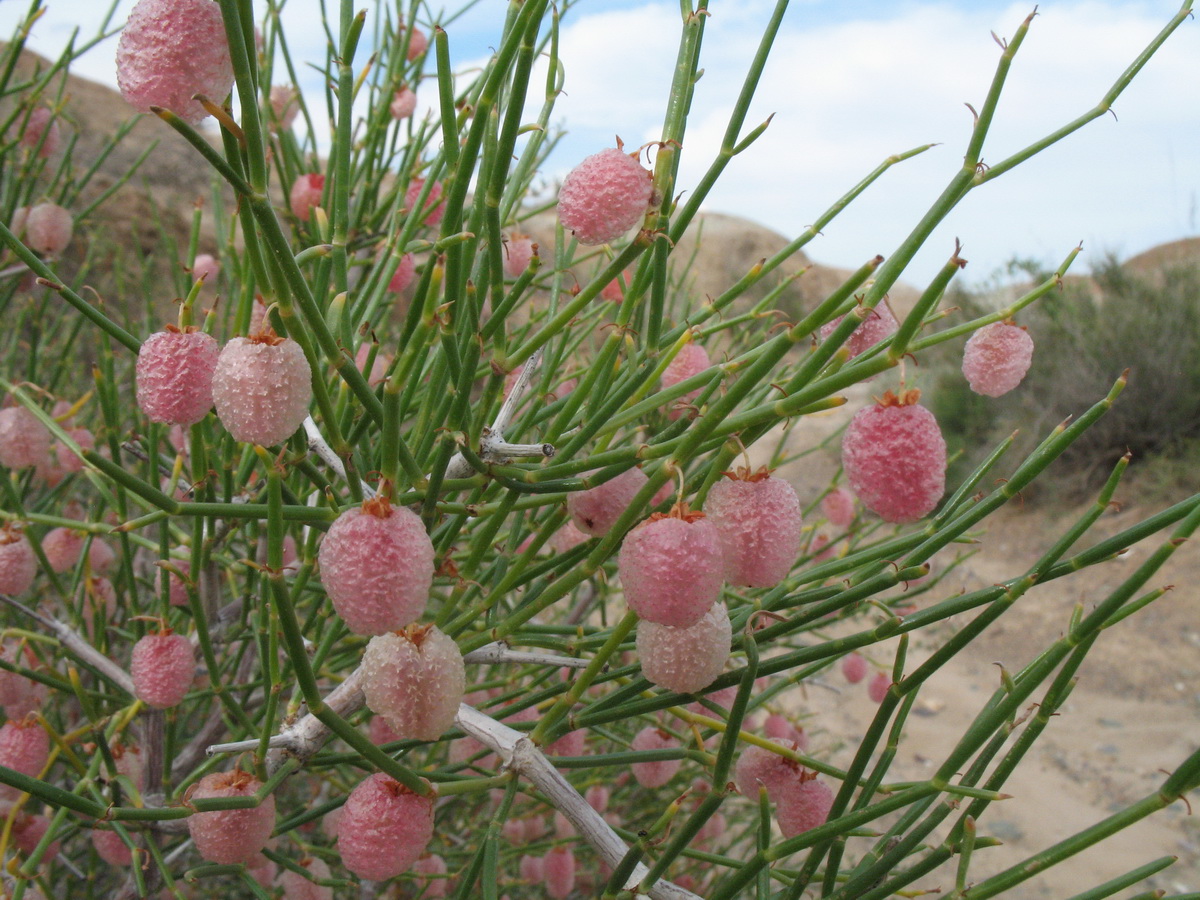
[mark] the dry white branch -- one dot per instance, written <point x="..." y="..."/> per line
<point x="307" y="735"/>
<point x="318" y="445"/>
<point x="492" y="654"/>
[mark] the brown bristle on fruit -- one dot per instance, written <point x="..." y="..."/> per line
<point x="904" y="398"/>
<point x="378" y="506"/>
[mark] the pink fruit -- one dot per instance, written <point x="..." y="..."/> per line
<point x="262" y="870"/>
<point x="68" y="461"/>
<point x="759" y="766"/>
<point x="692" y="359"/>
<point x="778" y="728"/>
<point x="712" y="829"/>
<point x="285" y="104"/>
<point x="170" y="50"/>
<point x="671" y="568"/>
<point x="48" y="229"/>
<point x="403" y="277"/>
<point x="27" y="833"/>
<point x="604" y="196"/>
<point x="377" y="567"/>
<point x="433" y="210"/>
<point x="418" y="43"/>
<point x="403" y="104"/>
<point x="895" y="458"/>
<point x="381" y="732"/>
<point x="532" y="869"/>
<point x="206" y="267"/>
<point x="854" y="668"/>
<point x="879" y="686"/>
<point x="176" y="586"/>
<point x="261" y="387"/>
<point x="62" y="547"/>
<point x="19" y="696"/>
<point x="614" y="291"/>
<point x="838" y="507"/>
<point x="518" y="253"/>
<point x="659" y="772"/>
<point x="432" y="870"/>
<point x="878" y="325"/>
<point x="415" y="679"/>
<point x="597" y="509"/>
<point x="687" y="659"/>
<point x="757" y="518"/>
<point x="384" y="828"/>
<point x="174" y="375"/>
<point x="996" y="358"/>
<point x="305" y="194"/>
<point x="25" y="748"/>
<point x="597" y="797"/>
<point x="573" y="743"/>
<point x="299" y="887"/>
<point x="802" y="804"/>
<point x="559" y="870"/>
<point x="567" y="538"/>
<point x="18" y="564"/>
<point x="163" y="667"/>
<point x="111" y="848"/>
<point x="24" y="440"/>
<point x="41" y="121"/>
<point x="230" y="836"/>
<point x="130" y="763"/>
<point x="378" y="368"/>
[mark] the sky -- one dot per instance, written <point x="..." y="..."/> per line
<point x="851" y="82"/>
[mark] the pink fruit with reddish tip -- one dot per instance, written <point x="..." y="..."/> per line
<point x="838" y="507"/>
<point x="415" y="679"/>
<point x="174" y="375"/>
<point x="431" y="871"/>
<point x="894" y="457"/>
<point x="518" y="253"/>
<point x="597" y="509"/>
<point x="377" y="567"/>
<point x="24" y="440"/>
<point x="261" y="387"/>
<point x="692" y="359"/>
<point x="404" y="103"/>
<point x="559" y="871"/>
<point x="757" y="518"/>
<point x="406" y="269"/>
<point x="163" y="668"/>
<point x="996" y="358"/>
<point x="762" y="767"/>
<point x="802" y="804"/>
<point x="231" y="836"/>
<point x="18" y="563"/>
<point x="304" y="887"/>
<point x="878" y="687"/>
<point x="384" y="828"/>
<point x="877" y="325"/>
<point x="659" y="772"/>
<point x="25" y="748"/>
<point x="305" y="194"/>
<point x="854" y="668"/>
<point x="41" y="122"/>
<point x="604" y="196"/>
<point x="170" y="50"/>
<point x="687" y="659"/>
<point x="671" y="568"/>
<point x="111" y="848"/>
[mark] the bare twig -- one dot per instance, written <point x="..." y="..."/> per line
<point x="498" y="652"/>
<point x="318" y="445"/>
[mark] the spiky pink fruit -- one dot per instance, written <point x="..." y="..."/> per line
<point x="384" y="828"/>
<point x="559" y="869"/>
<point x="377" y="567"/>
<point x="18" y="563"/>
<point x="431" y="871"/>
<point x="802" y="804"/>
<point x="415" y="679"/>
<point x="894" y="457"/>
<point x="878" y="325"/>
<point x="671" y="568"/>
<point x="300" y="887"/>
<point x="111" y="848"/>
<point x="170" y="50"/>
<point x="24" y="440"/>
<point x="41" y="122"/>
<point x="285" y="104"/>
<point x="854" y="668"/>
<point x="406" y="269"/>
<point x="518" y="252"/>
<point x="433" y="211"/>
<point x="597" y="509"/>
<point x="205" y="267"/>
<point x="687" y="659"/>
<point x="261" y="387"/>
<point x="25" y="748"/>
<point x="403" y="104"/>
<point x="659" y="772"/>
<point x="996" y="358"/>
<point x="759" y="766"/>
<point x="305" y="194"/>
<point x="838" y="507"/>
<point x="162" y="667"/>
<point x="174" y="375"/>
<point x="757" y="517"/>
<point x="48" y="229"/>
<point x="604" y="196"/>
<point x="692" y="359"/>
<point x="231" y="836"/>
<point x="878" y="686"/>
